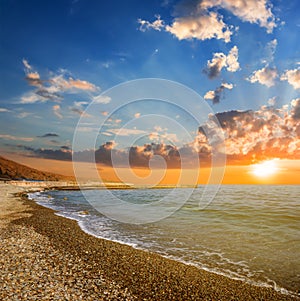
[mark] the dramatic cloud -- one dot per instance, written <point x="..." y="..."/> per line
<point x="263" y="134"/>
<point x="265" y="76"/>
<point x="293" y="77"/>
<point x="215" y="95"/>
<point x="220" y="61"/>
<point x="250" y="136"/>
<point x="157" y="24"/>
<point x="253" y="11"/>
<point x="200" y="27"/>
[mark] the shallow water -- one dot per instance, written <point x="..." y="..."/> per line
<point x="247" y="232"/>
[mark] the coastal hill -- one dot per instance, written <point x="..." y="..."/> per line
<point x="10" y="170"/>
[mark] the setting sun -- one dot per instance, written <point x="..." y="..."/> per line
<point x="264" y="169"/>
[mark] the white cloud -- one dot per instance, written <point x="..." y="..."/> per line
<point x="227" y="86"/>
<point x="31" y="98"/>
<point x="269" y="52"/>
<point x="60" y="83"/>
<point x="272" y="101"/>
<point x="265" y="76"/>
<point x="209" y="94"/>
<point x="293" y="77"/>
<point x="15" y="138"/>
<point x="200" y="27"/>
<point x="26" y="64"/>
<point x="158" y="24"/>
<point x="220" y="61"/>
<point x="104" y="99"/>
<point x="253" y="11"/>
<point x="232" y="60"/>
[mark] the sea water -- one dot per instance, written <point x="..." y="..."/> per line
<point x="247" y="232"/>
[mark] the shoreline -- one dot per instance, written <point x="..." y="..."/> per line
<point x="126" y="273"/>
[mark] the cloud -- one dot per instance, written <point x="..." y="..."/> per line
<point x="4" y="110"/>
<point x="215" y="95"/>
<point x="24" y="114"/>
<point x="253" y="11"/>
<point x="80" y="103"/>
<point x="81" y="85"/>
<point x="250" y="136"/>
<point x="26" y="64"/>
<point x="47" y="135"/>
<point x="52" y="87"/>
<point x="263" y="134"/>
<point x="31" y="98"/>
<point x="78" y="108"/>
<point x="79" y="111"/>
<point x="232" y="60"/>
<point x="101" y="99"/>
<point x="137" y="115"/>
<point x="157" y="24"/>
<point x="201" y="20"/>
<point x="220" y="61"/>
<point x="265" y="76"/>
<point x="33" y="79"/>
<point x="56" y="111"/>
<point x="269" y="52"/>
<point x="201" y="27"/>
<point x="126" y="132"/>
<point x="56" y="154"/>
<point x="293" y="77"/>
<point x="60" y="83"/>
<point x="15" y="138"/>
<point x="295" y="113"/>
<point x="104" y="113"/>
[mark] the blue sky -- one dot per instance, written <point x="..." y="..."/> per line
<point x="56" y="57"/>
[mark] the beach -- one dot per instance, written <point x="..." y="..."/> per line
<point x="48" y="257"/>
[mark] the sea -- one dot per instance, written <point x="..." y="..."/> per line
<point x="246" y="232"/>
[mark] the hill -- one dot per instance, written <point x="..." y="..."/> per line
<point x="10" y="170"/>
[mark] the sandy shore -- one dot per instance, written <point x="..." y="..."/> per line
<point x="47" y="257"/>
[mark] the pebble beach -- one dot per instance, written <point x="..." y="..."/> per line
<point x="48" y="257"/>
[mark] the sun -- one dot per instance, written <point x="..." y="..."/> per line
<point x="264" y="169"/>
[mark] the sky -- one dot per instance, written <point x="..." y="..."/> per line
<point x="61" y="61"/>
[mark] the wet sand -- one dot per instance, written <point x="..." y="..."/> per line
<point x="47" y="257"/>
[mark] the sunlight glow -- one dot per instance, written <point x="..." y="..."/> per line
<point x="265" y="169"/>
